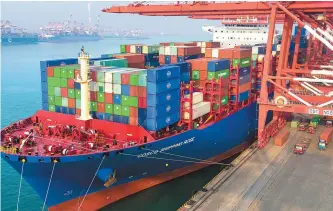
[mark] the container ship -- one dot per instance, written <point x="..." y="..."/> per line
<point x="11" y="35"/>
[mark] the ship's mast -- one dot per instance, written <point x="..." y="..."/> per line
<point x="84" y="81"/>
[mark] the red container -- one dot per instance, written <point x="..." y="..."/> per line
<point x="100" y="107"/>
<point x="108" y="98"/>
<point x="213" y="44"/>
<point x="133" y="121"/>
<point x="142" y="91"/>
<point x="199" y="84"/>
<point x="137" y="65"/>
<point x="78" y="111"/>
<point x="134" y="90"/>
<point x="142" y="102"/>
<point x="64" y="92"/>
<point x="235" y="53"/>
<point x="76" y="73"/>
<point x="93" y="96"/>
<point x="50" y="72"/>
<point x="131" y="58"/>
<point x="326" y="135"/>
<point x="161" y="59"/>
<point x="174" y="59"/>
<point x="125" y="78"/>
<point x="203" y="75"/>
<point x="188" y="50"/>
<point x="70" y="83"/>
<point x="71" y="103"/>
<point x="93" y="75"/>
<point x="128" y="48"/>
<point x="133" y="112"/>
<point x="281" y="138"/>
<point x="209" y="52"/>
<point x="199" y="64"/>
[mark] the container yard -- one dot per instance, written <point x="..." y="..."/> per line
<point x="124" y="122"/>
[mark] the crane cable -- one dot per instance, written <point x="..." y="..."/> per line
<point x="48" y="187"/>
<point x="207" y="161"/>
<point x="19" y="193"/>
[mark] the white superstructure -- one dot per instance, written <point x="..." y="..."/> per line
<point x="239" y="32"/>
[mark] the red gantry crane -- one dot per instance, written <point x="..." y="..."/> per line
<point x="298" y="88"/>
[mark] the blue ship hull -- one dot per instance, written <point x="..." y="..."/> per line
<point x="14" y="40"/>
<point x="64" y="39"/>
<point x="73" y="174"/>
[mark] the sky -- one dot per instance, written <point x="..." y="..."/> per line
<point x="32" y="15"/>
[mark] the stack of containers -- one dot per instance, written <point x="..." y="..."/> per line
<point x="134" y="60"/>
<point x="185" y="71"/>
<point x="240" y="57"/>
<point x="199" y="107"/>
<point x="151" y="55"/>
<point x="210" y="45"/>
<point x="61" y="89"/>
<point x="174" y="54"/>
<point x="163" y="99"/>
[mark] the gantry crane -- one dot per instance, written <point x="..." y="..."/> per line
<point x="299" y="88"/>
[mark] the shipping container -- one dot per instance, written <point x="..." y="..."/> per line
<point x="242" y="96"/>
<point x="197" y="97"/>
<point x="163" y="86"/>
<point x="163" y="73"/>
<point x="281" y="138"/>
<point x="163" y="98"/>
<point x="157" y="124"/>
<point x="198" y="110"/>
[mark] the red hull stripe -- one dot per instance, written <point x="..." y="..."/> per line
<point x="95" y="201"/>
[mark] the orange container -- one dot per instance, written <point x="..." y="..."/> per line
<point x="100" y="107"/>
<point x="281" y="138"/>
<point x="70" y="83"/>
<point x="134" y="112"/>
<point x="133" y="121"/>
<point x="199" y="64"/>
<point x="134" y="90"/>
<point x="108" y="98"/>
<point x="161" y="59"/>
<point x="209" y="52"/>
<point x="200" y="83"/>
<point x="188" y="50"/>
<point x="327" y="135"/>
<point x="50" y="72"/>
<point x="174" y="59"/>
<point x="234" y="53"/>
<point x="71" y="103"/>
<point x="203" y="75"/>
<point x="128" y="48"/>
<point x="78" y="111"/>
<point x="213" y="44"/>
<point x="142" y="91"/>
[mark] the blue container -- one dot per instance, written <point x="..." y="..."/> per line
<point x="163" y="73"/>
<point x="152" y="63"/>
<point x="44" y="97"/>
<point x="43" y="66"/>
<point x="125" y="89"/>
<point x="77" y="85"/>
<point x="244" y="79"/>
<point x="44" y="86"/>
<point x="58" y="109"/>
<point x="164" y="86"/>
<point x="244" y="71"/>
<point x="242" y="96"/>
<point x="117" y="99"/>
<point x="185" y="77"/>
<point x="303" y="32"/>
<point x="159" y="123"/>
<point x="43" y="76"/>
<point x="117" y="118"/>
<point x="58" y="62"/>
<point x="262" y="50"/>
<point x="180" y="59"/>
<point x="142" y="116"/>
<point x="160" y="111"/>
<point x="138" y="49"/>
<point x="64" y="110"/>
<point x="183" y="66"/>
<point x="108" y="117"/>
<point x="274" y="46"/>
<point x="100" y="116"/>
<point x="124" y="119"/>
<point x="167" y="59"/>
<point x="217" y="65"/>
<point x="71" y="111"/>
<point x="163" y="98"/>
<point x="45" y="106"/>
<point x="151" y="57"/>
<point x="93" y="114"/>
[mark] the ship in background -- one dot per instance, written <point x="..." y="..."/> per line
<point x="11" y="34"/>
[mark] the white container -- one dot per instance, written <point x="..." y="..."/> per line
<point x="199" y="44"/>
<point x="261" y="57"/>
<point x="145" y="49"/>
<point x="108" y="88"/>
<point x="278" y="47"/>
<point x="215" y="53"/>
<point x="133" y="49"/>
<point x="255" y="49"/>
<point x="197" y="98"/>
<point x="273" y="53"/>
<point x="203" y="50"/>
<point x="167" y="51"/>
<point x="203" y="44"/>
<point x="162" y="50"/>
<point x="173" y="51"/>
<point x="108" y="77"/>
<point x="198" y="110"/>
<point x="117" y="89"/>
<point x="93" y="86"/>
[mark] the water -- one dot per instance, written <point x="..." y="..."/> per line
<point x="21" y="97"/>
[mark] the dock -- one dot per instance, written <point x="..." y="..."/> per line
<point x="273" y="178"/>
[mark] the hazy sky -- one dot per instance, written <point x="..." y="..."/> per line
<point x="32" y="15"/>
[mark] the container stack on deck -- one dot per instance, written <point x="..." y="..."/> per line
<point x="174" y="54"/>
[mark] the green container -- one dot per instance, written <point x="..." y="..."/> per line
<point x="63" y="82"/>
<point x="173" y="51"/>
<point x="115" y="63"/>
<point x="122" y="50"/>
<point x="150" y="49"/>
<point x="100" y="97"/>
<point x="58" y="101"/>
<point x="242" y="62"/>
<point x="52" y="81"/>
<point x="133" y="101"/>
<point x="100" y="86"/>
<point x="50" y="90"/>
<point x="117" y="109"/>
<point x="101" y="76"/>
<point x="116" y="77"/>
<point x="125" y="100"/>
<point x="77" y="103"/>
<point x="224" y="100"/>
<point x="125" y="110"/>
<point x="70" y="73"/>
<point x="52" y="108"/>
<point x="142" y="80"/>
<point x="93" y="106"/>
<point x="223" y="73"/>
<point x="196" y="75"/>
<point x="78" y="94"/>
<point x="172" y="44"/>
<point x="63" y="72"/>
<point x="71" y="93"/>
<point x="134" y="79"/>
<point x="57" y="72"/>
<point x="57" y="91"/>
<point x="109" y="108"/>
<point x="65" y="101"/>
<point x="51" y="100"/>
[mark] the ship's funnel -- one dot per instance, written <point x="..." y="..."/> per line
<point x="84" y="81"/>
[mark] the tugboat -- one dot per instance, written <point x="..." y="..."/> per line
<point x="11" y="34"/>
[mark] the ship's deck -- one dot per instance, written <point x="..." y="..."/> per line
<point x="273" y="179"/>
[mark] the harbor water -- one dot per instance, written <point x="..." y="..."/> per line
<point x="21" y="97"/>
